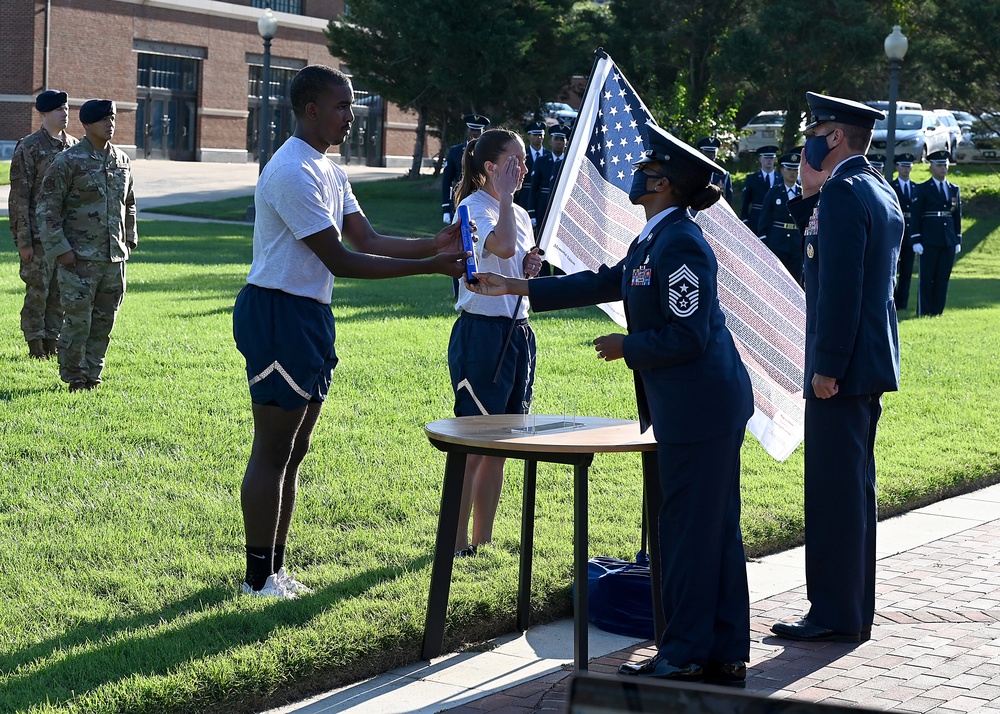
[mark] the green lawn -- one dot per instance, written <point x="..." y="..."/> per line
<point x="4" y="173"/>
<point x="120" y="536"/>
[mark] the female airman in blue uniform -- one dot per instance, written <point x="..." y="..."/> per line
<point x="693" y="389"/>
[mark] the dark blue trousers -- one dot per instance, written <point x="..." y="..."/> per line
<point x="840" y="510"/>
<point x="935" y="271"/>
<point x="901" y="295"/>
<point x="706" y="601"/>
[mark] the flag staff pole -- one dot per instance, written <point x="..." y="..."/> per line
<point x="599" y="54"/>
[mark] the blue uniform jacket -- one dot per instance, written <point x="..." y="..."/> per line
<point x="450" y="175"/>
<point x="776" y="227"/>
<point x="544" y="175"/>
<point x="935" y="221"/>
<point x="755" y="187"/>
<point x="852" y="231"/>
<point x="906" y="205"/>
<point x="690" y="382"/>
<point x="523" y="197"/>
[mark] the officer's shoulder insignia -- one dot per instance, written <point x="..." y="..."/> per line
<point x="683" y="289"/>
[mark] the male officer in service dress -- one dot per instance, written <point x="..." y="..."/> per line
<point x="906" y="192"/>
<point x="452" y="170"/>
<point x="776" y="228"/>
<point x="756" y="186"/>
<point x="536" y="137"/>
<point x="710" y="146"/>
<point x="86" y="216"/>
<point x="937" y="234"/>
<point x="546" y="174"/>
<point x="41" y="316"/>
<point x="852" y="227"/>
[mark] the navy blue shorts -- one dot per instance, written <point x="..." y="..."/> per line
<point x="287" y="341"/>
<point x="473" y="353"/>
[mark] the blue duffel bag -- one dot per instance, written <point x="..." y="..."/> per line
<point x="620" y="594"/>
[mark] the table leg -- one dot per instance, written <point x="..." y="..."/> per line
<point x="444" y="555"/>
<point x="527" y="545"/>
<point x="653" y="498"/>
<point x="580" y="601"/>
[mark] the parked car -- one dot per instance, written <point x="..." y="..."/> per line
<point x="900" y="106"/>
<point x="954" y="129"/>
<point x="766" y="129"/>
<point x="964" y="119"/>
<point x="981" y="142"/>
<point x="918" y="133"/>
<point x="560" y="111"/>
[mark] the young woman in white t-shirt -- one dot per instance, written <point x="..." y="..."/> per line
<point x="493" y="169"/>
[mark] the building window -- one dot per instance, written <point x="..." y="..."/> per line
<point x="163" y="72"/>
<point x="291" y="6"/>
<point x="281" y="81"/>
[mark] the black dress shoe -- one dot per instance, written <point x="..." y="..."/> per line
<point x="805" y="631"/>
<point x="657" y="667"/>
<point x="730" y="674"/>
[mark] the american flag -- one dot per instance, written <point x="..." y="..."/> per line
<point x="591" y="222"/>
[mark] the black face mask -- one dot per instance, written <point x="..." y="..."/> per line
<point x="638" y="189"/>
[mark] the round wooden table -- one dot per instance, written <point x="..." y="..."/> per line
<point x="571" y="440"/>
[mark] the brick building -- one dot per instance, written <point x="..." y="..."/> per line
<point x="186" y="75"/>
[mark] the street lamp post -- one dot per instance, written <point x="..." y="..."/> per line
<point x="267" y="26"/>
<point x="895" y="49"/>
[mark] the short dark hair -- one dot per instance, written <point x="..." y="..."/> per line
<point x="310" y="82"/>
<point x="858" y="138"/>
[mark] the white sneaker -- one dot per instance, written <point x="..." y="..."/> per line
<point x="272" y="588"/>
<point x="290" y="584"/>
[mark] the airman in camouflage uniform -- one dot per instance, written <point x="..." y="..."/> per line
<point x="86" y="216"/>
<point x="41" y="316"/>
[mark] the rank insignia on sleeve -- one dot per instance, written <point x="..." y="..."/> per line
<point x="683" y="287"/>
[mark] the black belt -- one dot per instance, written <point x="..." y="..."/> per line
<point x="938" y="214"/>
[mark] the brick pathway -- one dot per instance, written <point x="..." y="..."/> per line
<point x="935" y="644"/>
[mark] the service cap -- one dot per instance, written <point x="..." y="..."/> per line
<point x="844" y="111"/>
<point x="535" y="127"/>
<point x="938" y="157"/>
<point x="663" y="146"/>
<point x="768" y="152"/>
<point x="476" y="121"/>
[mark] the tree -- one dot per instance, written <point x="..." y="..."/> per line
<point x="444" y="58"/>
<point x="790" y="46"/>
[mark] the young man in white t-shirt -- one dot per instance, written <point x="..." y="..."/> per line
<point x="282" y="322"/>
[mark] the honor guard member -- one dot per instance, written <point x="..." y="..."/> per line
<point x="937" y="234"/>
<point x="546" y="174"/>
<point x="777" y="229"/>
<point x="536" y="136"/>
<point x="877" y="161"/>
<point x="41" y="316"/>
<point x="693" y="389"/>
<point x="452" y="170"/>
<point x="756" y="186"/>
<point x="86" y="215"/>
<point x="906" y="192"/>
<point x="710" y="146"/>
<point x="852" y="227"/>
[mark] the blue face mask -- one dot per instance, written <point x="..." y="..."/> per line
<point x="638" y="189"/>
<point x="815" y="151"/>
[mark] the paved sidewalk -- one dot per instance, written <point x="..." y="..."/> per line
<point x="169" y="183"/>
<point x="935" y="645"/>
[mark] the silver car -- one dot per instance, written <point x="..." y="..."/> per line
<point x="918" y="133"/>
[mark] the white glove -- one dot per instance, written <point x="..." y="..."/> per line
<point x="958" y="249"/>
<point x="446" y="218"/>
<point x="918" y="249"/>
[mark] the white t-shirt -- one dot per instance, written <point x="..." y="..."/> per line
<point x="485" y="211"/>
<point x="299" y="193"/>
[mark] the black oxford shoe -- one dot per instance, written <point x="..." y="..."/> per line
<point x="805" y="631"/>
<point x="730" y="674"/>
<point x="657" y="667"/>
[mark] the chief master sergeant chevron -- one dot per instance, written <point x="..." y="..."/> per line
<point x="852" y="226"/>
<point x="86" y="217"/>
